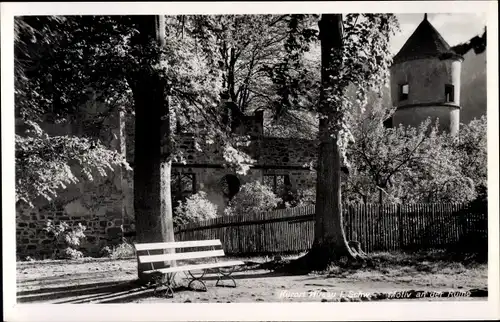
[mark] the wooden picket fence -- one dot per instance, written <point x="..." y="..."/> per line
<point x="377" y="227"/>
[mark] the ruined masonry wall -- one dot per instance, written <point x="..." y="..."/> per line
<point x="105" y="206"/>
<point x="102" y="205"/>
<point x="268" y="152"/>
<point x="95" y="206"/>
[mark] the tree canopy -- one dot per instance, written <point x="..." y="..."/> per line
<point x="269" y="62"/>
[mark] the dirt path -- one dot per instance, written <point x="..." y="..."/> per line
<point x="112" y="281"/>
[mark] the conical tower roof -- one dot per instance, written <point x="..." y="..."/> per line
<point x="425" y="42"/>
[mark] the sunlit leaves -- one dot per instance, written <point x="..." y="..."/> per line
<point x="46" y="164"/>
<point x="252" y="199"/>
<point x="407" y="164"/>
<point x="361" y="60"/>
<point x="195" y="208"/>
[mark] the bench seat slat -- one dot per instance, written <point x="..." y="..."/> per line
<point x="183" y="244"/>
<point x="196" y="267"/>
<point x="178" y="256"/>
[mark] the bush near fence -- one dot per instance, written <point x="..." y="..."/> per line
<point x="378" y="227"/>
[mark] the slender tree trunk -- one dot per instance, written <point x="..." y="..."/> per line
<point x="231" y="80"/>
<point x="330" y="243"/>
<point x="152" y="167"/>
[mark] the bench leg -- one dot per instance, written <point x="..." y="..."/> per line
<point x="199" y="279"/>
<point x="225" y="275"/>
<point x="169" y="283"/>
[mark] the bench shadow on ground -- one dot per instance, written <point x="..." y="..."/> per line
<point x="115" y="291"/>
<point x="82" y="293"/>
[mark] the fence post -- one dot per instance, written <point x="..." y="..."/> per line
<point x="400" y="226"/>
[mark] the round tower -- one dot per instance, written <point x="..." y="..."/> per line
<point x="425" y="80"/>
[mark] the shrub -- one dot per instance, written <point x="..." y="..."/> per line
<point x="124" y="250"/>
<point x="106" y="251"/>
<point x="196" y="208"/>
<point x="66" y="239"/>
<point x="70" y="253"/>
<point x="253" y="198"/>
<point x="303" y="197"/>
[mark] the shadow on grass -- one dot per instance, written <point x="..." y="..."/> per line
<point x="57" y="279"/>
<point x="113" y="291"/>
<point x="76" y="293"/>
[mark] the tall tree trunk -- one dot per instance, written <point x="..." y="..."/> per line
<point x="152" y="167"/>
<point x="330" y="243"/>
<point x="230" y="77"/>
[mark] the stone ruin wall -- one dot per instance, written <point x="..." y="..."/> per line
<point x="98" y="207"/>
<point x="102" y="205"/>
<point x="273" y="156"/>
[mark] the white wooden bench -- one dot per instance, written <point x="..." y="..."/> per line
<point x="211" y="249"/>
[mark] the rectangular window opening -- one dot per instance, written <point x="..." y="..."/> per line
<point x="404" y="90"/>
<point x="182" y="186"/>
<point x="278" y="183"/>
<point x="388" y="123"/>
<point x="449" y="93"/>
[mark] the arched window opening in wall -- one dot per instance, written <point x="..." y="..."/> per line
<point x="230" y="185"/>
<point x="404" y="90"/>
<point x="449" y="93"/>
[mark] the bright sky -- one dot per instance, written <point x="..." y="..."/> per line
<point x="455" y="28"/>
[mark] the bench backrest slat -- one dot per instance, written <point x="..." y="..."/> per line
<point x="184" y="244"/>
<point x="178" y="256"/>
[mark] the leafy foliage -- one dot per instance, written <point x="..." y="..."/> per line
<point x="303" y="197"/>
<point x="406" y="164"/>
<point x="472" y="152"/>
<point x="298" y="123"/>
<point x="363" y="64"/>
<point x="61" y="61"/>
<point x="254" y="50"/>
<point x="121" y="251"/>
<point x="66" y="239"/>
<point x="45" y="164"/>
<point x="195" y="208"/>
<point x="253" y="198"/>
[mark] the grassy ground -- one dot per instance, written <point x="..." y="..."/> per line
<point x="396" y="276"/>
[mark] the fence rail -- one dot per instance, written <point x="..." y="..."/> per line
<point x="377" y="227"/>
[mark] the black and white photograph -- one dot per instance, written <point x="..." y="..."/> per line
<point x="263" y="154"/>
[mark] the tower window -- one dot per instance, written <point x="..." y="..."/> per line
<point x="388" y="123"/>
<point x="449" y="93"/>
<point x="403" y="92"/>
